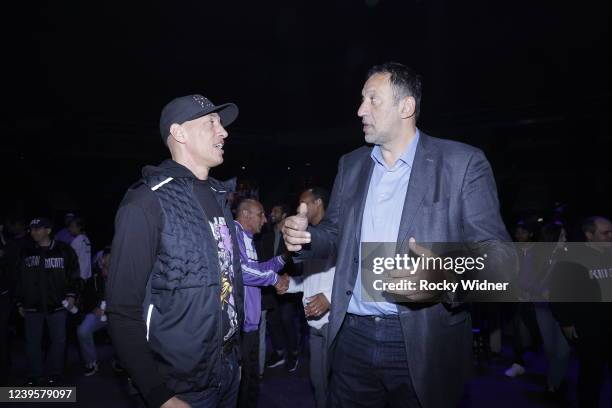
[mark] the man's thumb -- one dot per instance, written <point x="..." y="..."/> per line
<point x="302" y="210"/>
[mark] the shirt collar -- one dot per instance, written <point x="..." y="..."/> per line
<point x="407" y="157"/>
<point x="242" y="229"/>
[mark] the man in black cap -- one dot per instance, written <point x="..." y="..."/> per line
<point x="174" y="292"/>
<point x="45" y="288"/>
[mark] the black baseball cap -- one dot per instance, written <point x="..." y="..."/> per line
<point x="41" y="222"/>
<point x="190" y="107"/>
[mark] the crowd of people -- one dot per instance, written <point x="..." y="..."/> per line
<point x="195" y="281"/>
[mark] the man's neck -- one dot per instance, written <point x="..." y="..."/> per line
<point x="392" y="150"/>
<point x="316" y="220"/>
<point x="198" y="170"/>
<point x="44" y="243"/>
<point x="245" y="226"/>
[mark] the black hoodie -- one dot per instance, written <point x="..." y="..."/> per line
<point x="138" y="224"/>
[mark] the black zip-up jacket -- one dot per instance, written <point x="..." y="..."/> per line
<point x="46" y="276"/>
<point x="93" y="292"/>
<point x="185" y="322"/>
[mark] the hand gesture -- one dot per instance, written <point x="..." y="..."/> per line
<point x="570" y="332"/>
<point x="175" y="402"/>
<point x="282" y="284"/>
<point x="294" y="230"/>
<point x="317" y="306"/>
<point x="399" y="275"/>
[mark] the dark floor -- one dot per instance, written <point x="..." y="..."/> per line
<point x="488" y="388"/>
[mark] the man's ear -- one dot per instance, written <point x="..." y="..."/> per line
<point x="407" y="107"/>
<point x="177" y="133"/>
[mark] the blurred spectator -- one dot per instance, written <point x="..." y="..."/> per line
<point x="81" y="245"/>
<point x="45" y="289"/>
<point x="64" y="234"/>
<point x="316" y="283"/>
<point x="14" y="240"/>
<point x="94" y="305"/>
<point x="536" y="284"/>
<point x="282" y="310"/>
<point x="588" y="324"/>
<point x="521" y="314"/>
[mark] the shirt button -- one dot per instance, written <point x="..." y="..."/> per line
<point x="349" y="293"/>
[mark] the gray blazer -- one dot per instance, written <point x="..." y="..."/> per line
<point x="451" y="197"/>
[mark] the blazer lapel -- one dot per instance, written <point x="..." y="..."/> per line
<point x="421" y="179"/>
<point x="361" y="193"/>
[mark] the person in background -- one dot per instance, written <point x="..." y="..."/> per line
<point x="45" y="288"/>
<point x="14" y="239"/>
<point x="81" y="245"/>
<point x="587" y="324"/>
<point x="94" y="305"/>
<point x="64" y="235"/>
<point x="316" y="283"/>
<point x="536" y="282"/>
<point x="250" y="218"/>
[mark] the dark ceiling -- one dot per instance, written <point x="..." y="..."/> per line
<point x="86" y="82"/>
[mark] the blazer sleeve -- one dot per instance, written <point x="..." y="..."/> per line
<point x="484" y="232"/>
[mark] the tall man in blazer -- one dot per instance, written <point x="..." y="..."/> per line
<point x="408" y="188"/>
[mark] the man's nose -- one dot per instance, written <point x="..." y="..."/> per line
<point x="222" y="132"/>
<point x="362" y="110"/>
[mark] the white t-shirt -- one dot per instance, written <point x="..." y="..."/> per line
<point x="82" y="247"/>
<point x="318" y="277"/>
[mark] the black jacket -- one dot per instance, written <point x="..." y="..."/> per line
<point x="165" y="324"/>
<point x="93" y="292"/>
<point x="46" y="276"/>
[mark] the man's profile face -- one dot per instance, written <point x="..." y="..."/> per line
<point x="522" y="234"/>
<point x="277" y="215"/>
<point x="205" y="138"/>
<point x="255" y="218"/>
<point x="603" y="231"/>
<point x="378" y="111"/>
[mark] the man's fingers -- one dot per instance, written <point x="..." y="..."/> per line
<point x="302" y="209"/>
<point x="293" y="248"/>
<point x="295" y="223"/>
<point x="417" y="249"/>
<point x="402" y="273"/>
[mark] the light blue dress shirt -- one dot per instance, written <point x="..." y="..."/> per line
<point x="382" y="215"/>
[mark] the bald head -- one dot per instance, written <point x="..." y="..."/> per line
<point x="250" y="214"/>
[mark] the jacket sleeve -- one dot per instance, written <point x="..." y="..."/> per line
<point x="133" y="254"/>
<point x="255" y="273"/>
<point x="484" y="232"/>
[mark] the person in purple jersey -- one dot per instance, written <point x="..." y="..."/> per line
<point x="250" y="217"/>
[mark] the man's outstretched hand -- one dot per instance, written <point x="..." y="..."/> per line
<point x="416" y="295"/>
<point x="282" y="284"/>
<point x="294" y="230"/>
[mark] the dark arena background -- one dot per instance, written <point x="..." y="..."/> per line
<point x="527" y="82"/>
